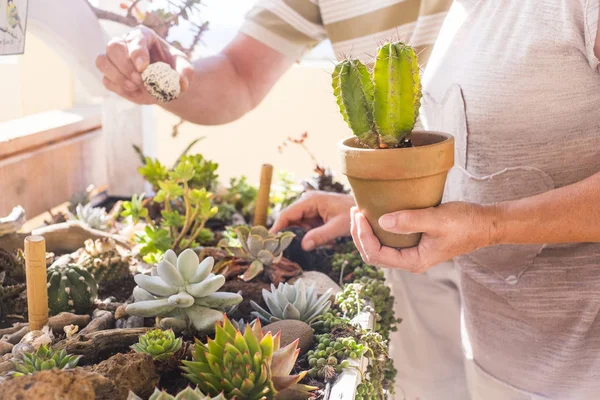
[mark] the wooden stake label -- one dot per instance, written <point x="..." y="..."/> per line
<point x="262" y="197"/>
<point x="37" y="290"/>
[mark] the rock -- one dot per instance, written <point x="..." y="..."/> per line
<point x="134" y="322"/>
<point x="101" y="320"/>
<point x="120" y="312"/>
<point x="21" y="348"/>
<point x="75" y="384"/>
<point x="5" y="348"/>
<point x="38" y="338"/>
<point x="321" y="281"/>
<point x="131" y="371"/>
<point x="291" y="330"/>
<point x="58" y="322"/>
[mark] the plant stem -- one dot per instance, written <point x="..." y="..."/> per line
<point x="197" y="232"/>
<point x="188" y="215"/>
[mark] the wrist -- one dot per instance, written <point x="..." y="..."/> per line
<point x="496" y="223"/>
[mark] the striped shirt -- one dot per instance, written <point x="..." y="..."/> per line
<point x="355" y="27"/>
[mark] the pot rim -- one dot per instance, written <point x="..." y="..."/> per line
<point x="448" y="137"/>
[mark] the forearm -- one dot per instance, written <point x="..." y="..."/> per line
<point x="566" y="215"/>
<point x="217" y="94"/>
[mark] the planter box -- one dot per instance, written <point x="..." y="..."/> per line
<point x="344" y="388"/>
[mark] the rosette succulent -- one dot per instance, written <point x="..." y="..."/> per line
<point x="44" y="358"/>
<point x="94" y="217"/>
<point x="161" y="345"/>
<point x="260" y="247"/>
<point x="292" y="302"/>
<point x="186" y="394"/>
<point x="183" y="293"/>
<point x="248" y="366"/>
<point x="70" y="288"/>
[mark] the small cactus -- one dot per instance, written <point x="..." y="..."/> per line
<point x="70" y="288"/>
<point x="382" y="108"/>
<point x="104" y="261"/>
<point x="43" y="359"/>
<point x="161" y="345"/>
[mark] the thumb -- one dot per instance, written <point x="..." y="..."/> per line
<point x="325" y="233"/>
<point x="409" y="221"/>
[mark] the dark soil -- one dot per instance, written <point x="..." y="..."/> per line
<point x="121" y="289"/>
<point x="250" y="291"/>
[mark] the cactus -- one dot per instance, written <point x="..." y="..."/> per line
<point x="260" y="247"/>
<point x="104" y="261"/>
<point x="381" y="109"/>
<point x="245" y="367"/>
<point x="12" y="267"/>
<point x="183" y="294"/>
<point x="43" y="359"/>
<point x="186" y="394"/>
<point x="70" y="288"/>
<point x="292" y="302"/>
<point x="161" y="345"/>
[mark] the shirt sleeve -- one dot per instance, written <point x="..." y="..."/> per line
<point x="291" y="27"/>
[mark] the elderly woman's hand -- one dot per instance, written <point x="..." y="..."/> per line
<point x="449" y="230"/>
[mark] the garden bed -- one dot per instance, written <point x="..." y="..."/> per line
<point x="178" y="289"/>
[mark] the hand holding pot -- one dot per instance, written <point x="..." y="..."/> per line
<point x="448" y="230"/>
<point x="325" y="215"/>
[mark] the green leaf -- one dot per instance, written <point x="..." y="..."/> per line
<point x="153" y="171"/>
<point x="184" y="171"/>
<point x="135" y="208"/>
<point x="168" y="190"/>
<point x="172" y="219"/>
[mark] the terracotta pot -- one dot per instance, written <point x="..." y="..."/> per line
<point x="388" y="180"/>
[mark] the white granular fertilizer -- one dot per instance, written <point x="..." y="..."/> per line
<point x="161" y="81"/>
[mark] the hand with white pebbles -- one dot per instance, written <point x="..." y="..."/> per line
<point x="145" y="69"/>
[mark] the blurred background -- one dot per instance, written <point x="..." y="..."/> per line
<point x="42" y="91"/>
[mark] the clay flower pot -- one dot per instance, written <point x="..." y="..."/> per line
<point x="388" y="180"/>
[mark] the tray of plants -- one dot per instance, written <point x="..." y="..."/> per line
<point x="177" y="296"/>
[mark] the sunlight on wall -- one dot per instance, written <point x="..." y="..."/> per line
<point x="37" y="81"/>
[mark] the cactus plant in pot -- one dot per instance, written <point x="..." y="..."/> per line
<point x="389" y="166"/>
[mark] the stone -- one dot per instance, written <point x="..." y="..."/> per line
<point x="58" y="322"/>
<point x="131" y="371"/>
<point x="101" y="320"/>
<point x="134" y="322"/>
<point x="291" y="330"/>
<point x="75" y="384"/>
<point x="5" y="348"/>
<point x="321" y="281"/>
<point x="120" y="312"/>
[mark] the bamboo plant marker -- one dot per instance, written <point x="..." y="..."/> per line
<point x="37" y="292"/>
<point x="262" y="198"/>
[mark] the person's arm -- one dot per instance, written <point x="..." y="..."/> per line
<point x="570" y="214"/>
<point x="215" y="90"/>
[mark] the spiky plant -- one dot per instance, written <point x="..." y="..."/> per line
<point x="260" y="247"/>
<point x="70" y="288"/>
<point x="292" y="302"/>
<point x="94" y="217"/>
<point x="161" y="345"/>
<point x="104" y="261"/>
<point x="44" y="358"/>
<point x="186" y="394"/>
<point x="183" y="293"/>
<point x="245" y="367"/>
<point x="381" y="108"/>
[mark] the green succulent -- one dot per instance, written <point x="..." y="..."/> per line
<point x="292" y="302"/>
<point x="94" y="217"/>
<point x="260" y="247"/>
<point x="186" y="394"/>
<point x="104" y="261"/>
<point x="248" y="366"/>
<point x="70" y="288"/>
<point x="161" y="345"/>
<point x="43" y="359"/>
<point x="183" y="293"/>
<point x="135" y="209"/>
<point x="381" y="108"/>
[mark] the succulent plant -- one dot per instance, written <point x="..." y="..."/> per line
<point x="44" y="358"/>
<point x="382" y="108"/>
<point x="104" y="261"/>
<point x="161" y="345"/>
<point x="94" y="217"/>
<point x="245" y="367"/>
<point x="260" y="247"/>
<point x="183" y="293"/>
<point x="186" y="394"/>
<point x="70" y="288"/>
<point x="292" y="302"/>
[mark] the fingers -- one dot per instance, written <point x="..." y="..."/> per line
<point x="139" y="43"/>
<point x="374" y="253"/>
<point x="335" y="227"/>
<point x="118" y="53"/>
<point x="112" y="73"/>
<point x="302" y="209"/>
<point x="409" y="221"/>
